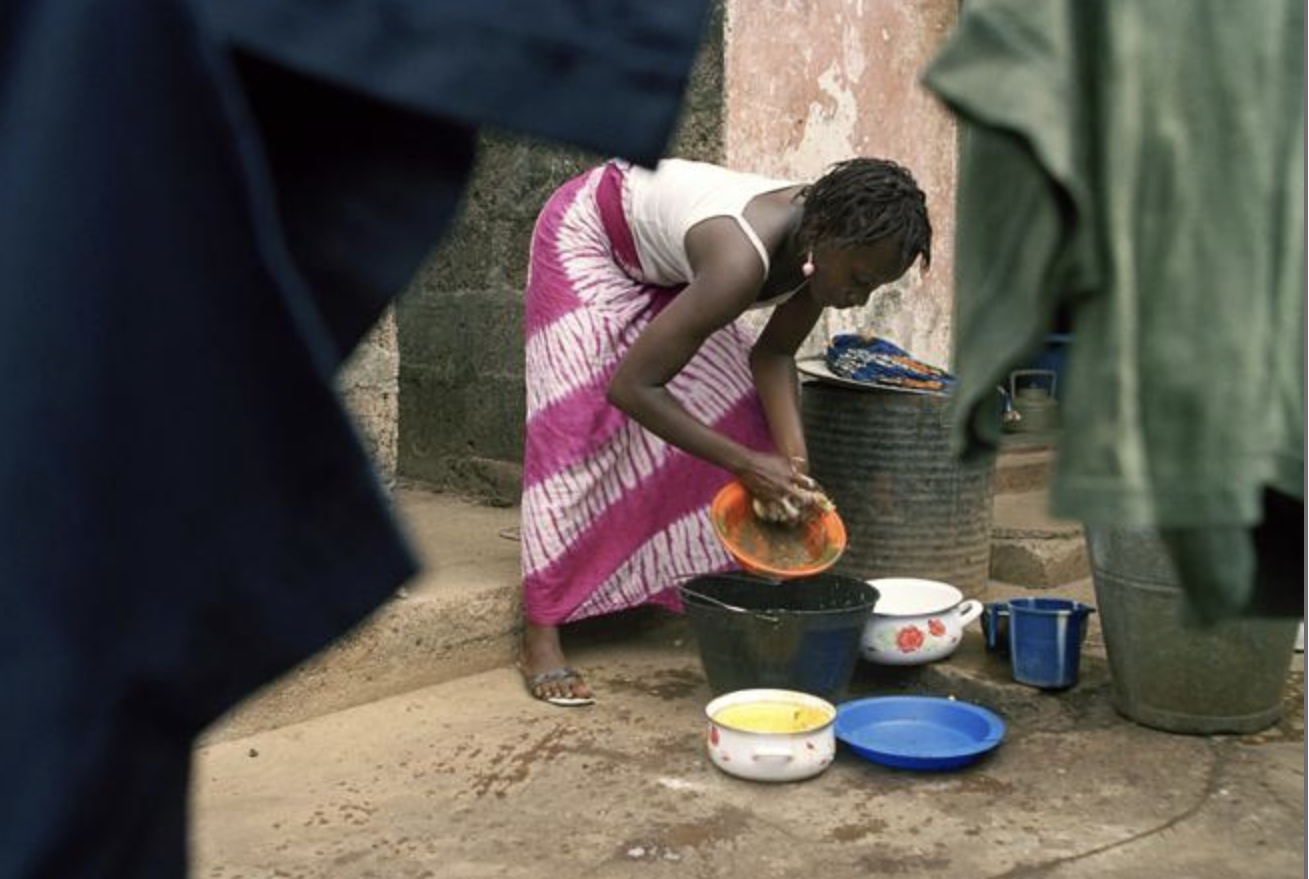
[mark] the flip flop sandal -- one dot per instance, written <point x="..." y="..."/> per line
<point x="534" y="682"/>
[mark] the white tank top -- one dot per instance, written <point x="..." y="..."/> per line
<point x="662" y="205"/>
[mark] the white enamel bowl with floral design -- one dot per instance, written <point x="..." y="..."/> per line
<point x="771" y="735"/>
<point x="915" y="621"/>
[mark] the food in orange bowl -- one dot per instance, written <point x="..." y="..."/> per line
<point x="772" y="549"/>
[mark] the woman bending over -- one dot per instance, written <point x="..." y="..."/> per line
<point x="645" y="395"/>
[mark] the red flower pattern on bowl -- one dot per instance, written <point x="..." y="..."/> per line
<point x="915" y="621"/>
<point x="909" y="639"/>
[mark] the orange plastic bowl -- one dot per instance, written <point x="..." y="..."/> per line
<point x="772" y="549"/>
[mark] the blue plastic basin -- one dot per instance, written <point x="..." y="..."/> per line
<point x="918" y="732"/>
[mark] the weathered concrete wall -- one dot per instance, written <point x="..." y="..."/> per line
<point x="811" y="82"/>
<point x="461" y="399"/>
<point x="369" y="384"/>
<point x="783" y="87"/>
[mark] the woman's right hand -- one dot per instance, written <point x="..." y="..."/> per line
<point x="772" y="478"/>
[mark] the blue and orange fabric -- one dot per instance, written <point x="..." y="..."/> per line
<point x="882" y="363"/>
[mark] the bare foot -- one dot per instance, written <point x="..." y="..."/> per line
<point x="543" y="653"/>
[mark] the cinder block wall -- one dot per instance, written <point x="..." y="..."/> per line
<point x="369" y="384"/>
<point x="460" y="326"/>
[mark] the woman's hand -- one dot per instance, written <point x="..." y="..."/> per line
<point x="799" y="498"/>
<point x="773" y="478"/>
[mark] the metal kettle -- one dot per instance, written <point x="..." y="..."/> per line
<point x="1035" y="405"/>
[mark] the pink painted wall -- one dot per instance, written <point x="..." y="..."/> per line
<point x="810" y="82"/>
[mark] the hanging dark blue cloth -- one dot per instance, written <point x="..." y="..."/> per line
<point x="202" y="209"/>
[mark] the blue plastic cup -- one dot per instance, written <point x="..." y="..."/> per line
<point x="1044" y="638"/>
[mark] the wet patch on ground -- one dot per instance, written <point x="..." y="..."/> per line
<point x="669" y="684"/>
<point x="672" y="842"/>
<point x="858" y="830"/>
<point x="899" y="862"/>
<point x="512" y="762"/>
<point x="670" y="754"/>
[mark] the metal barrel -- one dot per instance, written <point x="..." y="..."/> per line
<point x="910" y="508"/>
<point x="1225" y="678"/>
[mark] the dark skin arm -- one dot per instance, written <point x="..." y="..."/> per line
<point x="772" y="362"/>
<point x="728" y="278"/>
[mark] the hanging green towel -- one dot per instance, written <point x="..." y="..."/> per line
<point x="1141" y="162"/>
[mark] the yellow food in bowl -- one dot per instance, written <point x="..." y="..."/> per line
<point x="772" y="717"/>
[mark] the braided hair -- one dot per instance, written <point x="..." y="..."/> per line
<point x="861" y="201"/>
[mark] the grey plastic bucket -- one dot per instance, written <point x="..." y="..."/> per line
<point x="1167" y="675"/>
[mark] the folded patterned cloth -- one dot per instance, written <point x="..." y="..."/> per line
<point x="879" y="362"/>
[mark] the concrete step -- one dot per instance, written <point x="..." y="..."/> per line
<point x="1029" y="548"/>
<point x="1022" y="469"/>
<point x="460" y="616"/>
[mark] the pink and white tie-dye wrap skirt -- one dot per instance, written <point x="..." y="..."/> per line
<point x="613" y="516"/>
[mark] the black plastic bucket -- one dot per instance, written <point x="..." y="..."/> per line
<point x="798" y="634"/>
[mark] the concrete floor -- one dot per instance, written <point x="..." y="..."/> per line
<point x="471" y="778"/>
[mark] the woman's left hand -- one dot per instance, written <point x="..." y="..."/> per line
<point x="770" y="477"/>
